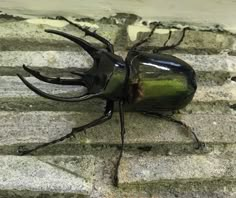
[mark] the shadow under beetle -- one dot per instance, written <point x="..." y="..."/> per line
<point x="150" y="82"/>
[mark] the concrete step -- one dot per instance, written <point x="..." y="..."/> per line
<point x="29" y="34"/>
<point x="147" y="168"/>
<point x="57" y="174"/>
<point x="26" y="128"/>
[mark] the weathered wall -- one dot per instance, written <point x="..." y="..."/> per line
<point x="159" y="159"/>
<point x="201" y="11"/>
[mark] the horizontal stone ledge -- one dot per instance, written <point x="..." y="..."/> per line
<point x="40" y="127"/>
<point x="31" y="35"/>
<point x="80" y="59"/>
<point x="13" y="87"/>
<point x="28" y="34"/>
<point x="140" y="170"/>
<point x="57" y="174"/>
<point x="53" y="59"/>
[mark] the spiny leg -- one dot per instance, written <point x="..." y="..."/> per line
<point x="57" y="80"/>
<point x="165" y="47"/>
<point x="144" y="40"/>
<point x="170" y="33"/>
<point x="87" y="32"/>
<point x="106" y="116"/>
<point x="122" y="134"/>
<point x="200" y="145"/>
<point x="57" y="98"/>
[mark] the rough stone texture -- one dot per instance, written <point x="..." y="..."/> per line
<point x="144" y="169"/>
<point x="23" y="35"/>
<point x="47" y="174"/>
<point x="17" y="128"/>
<point x="53" y="59"/>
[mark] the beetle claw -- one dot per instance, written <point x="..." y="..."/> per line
<point x="200" y="146"/>
<point x="22" y="151"/>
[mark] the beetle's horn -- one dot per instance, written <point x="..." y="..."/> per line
<point x="92" y="51"/>
<point x="57" y="80"/>
<point x="57" y="98"/>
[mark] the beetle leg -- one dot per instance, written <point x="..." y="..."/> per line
<point x="58" y="80"/>
<point x="200" y="145"/>
<point x="106" y="116"/>
<point x="57" y="98"/>
<point x="87" y="32"/>
<point x="169" y="36"/>
<point x="92" y="51"/>
<point x="144" y="40"/>
<point x="165" y="47"/>
<point x="122" y="133"/>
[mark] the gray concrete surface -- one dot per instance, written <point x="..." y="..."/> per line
<point x="51" y="174"/>
<point x="145" y="169"/>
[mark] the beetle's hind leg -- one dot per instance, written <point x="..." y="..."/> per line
<point x="199" y="144"/>
<point x="168" y="47"/>
<point x="87" y="32"/>
<point x="106" y="116"/>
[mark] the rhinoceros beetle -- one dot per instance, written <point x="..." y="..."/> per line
<point x="150" y="82"/>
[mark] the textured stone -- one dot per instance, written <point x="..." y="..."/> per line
<point x="53" y="59"/>
<point x="23" y="35"/>
<point x="41" y="127"/>
<point x="58" y="174"/>
<point x="149" y="169"/>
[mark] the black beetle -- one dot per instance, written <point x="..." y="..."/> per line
<point x="150" y="82"/>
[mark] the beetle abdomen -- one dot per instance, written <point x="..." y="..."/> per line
<point x="160" y="82"/>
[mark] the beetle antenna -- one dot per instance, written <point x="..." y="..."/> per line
<point x="122" y="134"/>
<point x="57" y="80"/>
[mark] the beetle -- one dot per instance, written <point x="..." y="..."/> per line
<point x="149" y="82"/>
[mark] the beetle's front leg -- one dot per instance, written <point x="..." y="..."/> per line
<point x="146" y="39"/>
<point x="107" y="115"/>
<point x="87" y="32"/>
<point x="168" y="47"/>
